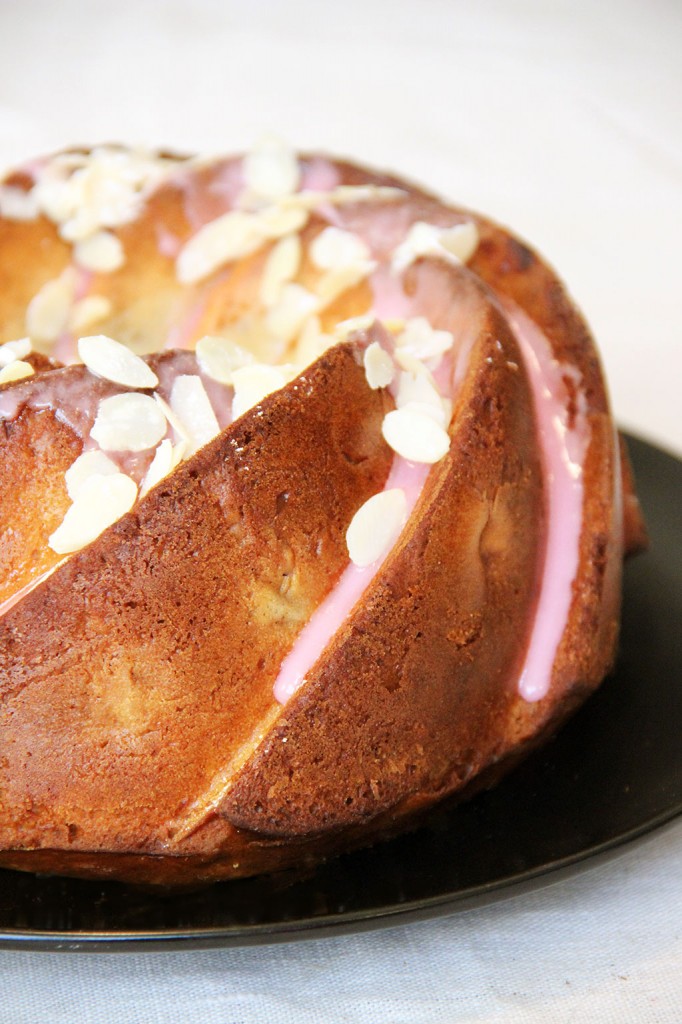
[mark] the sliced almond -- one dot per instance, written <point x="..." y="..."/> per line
<point x="286" y="318"/>
<point x="101" y="501"/>
<point x="271" y="170"/>
<point x="87" y="465"/>
<point x="192" y="405"/>
<point x="16" y="204"/>
<point x="379" y="367"/>
<point x="101" y="252"/>
<point x="281" y="266"/>
<point x="227" y="238"/>
<point x="335" y="248"/>
<point x="419" y="392"/>
<point x="47" y="314"/>
<point x="130" y="422"/>
<point x="253" y="383"/>
<point x="115" y="362"/>
<point x="457" y="244"/>
<point x="160" y="467"/>
<point x="87" y="312"/>
<point x="220" y="357"/>
<point x="376" y="526"/>
<point x="422" y="341"/>
<point x="17" y="370"/>
<point x="13" y="350"/>
<point x="415" y="435"/>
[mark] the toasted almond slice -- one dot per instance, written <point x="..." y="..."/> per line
<point x="271" y="169"/>
<point x="379" y="367"/>
<point x="457" y="244"/>
<point x="100" y="502"/>
<point x="179" y="429"/>
<point x="335" y="248"/>
<point x="420" y="390"/>
<point x="47" y="314"/>
<point x="88" y="311"/>
<point x="422" y="340"/>
<point x="220" y="357"/>
<point x="160" y="467"/>
<point x="87" y="465"/>
<point x="286" y="318"/>
<point x="13" y="350"/>
<point x="227" y="238"/>
<point x="281" y="266"/>
<point x="334" y="283"/>
<point x="17" y="370"/>
<point x="376" y="526"/>
<point x="311" y="344"/>
<point x="101" y="252"/>
<point x="16" y="204"/>
<point x="130" y="422"/>
<point x="192" y="405"/>
<point x="276" y="221"/>
<point x="253" y="383"/>
<point x="415" y="436"/>
<point x="115" y="362"/>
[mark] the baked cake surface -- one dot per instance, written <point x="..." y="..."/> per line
<point x="312" y="510"/>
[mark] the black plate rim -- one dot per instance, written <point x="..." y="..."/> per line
<point x="336" y="924"/>
<point x="333" y="925"/>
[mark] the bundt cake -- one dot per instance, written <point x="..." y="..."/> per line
<point x="313" y="510"/>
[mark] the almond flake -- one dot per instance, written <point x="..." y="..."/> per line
<point x="227" y="238"/>
<point x="376" y="526"/>
<point x="253" y="383"/>
<point x="335" y="248"/>
<point x="353" y="324"/>
<point x="115" y="362"/>
<point x="101" y="501"/>
<point x="276" y="221"/>
<point x="334" y="283"/>
<point x="192" y="405"/>
<point x="379" y="368"/>
<point x="89" y="464"/>
<point x="160" y="466"/>
<point x="15" y="204"/>
<point x="415" y="436"/>
<point x="130" y="422"/>
<point x="456" y="244"/>
<point x="282" y="265"/>
<point x="311" y="344"/>
<point x="178" y="427"/>
<point x="421" y="340"/>
<point x="219" y="357"/>
<point x="419" y="393"/>
<point x="271" y="170"/>
<point x="88" y="311"/>
<point x="17" y="370"/>
<point x="13" y="350"/>
<point x="286" y="318"/>
<point x="101" y="252"/>
<point x="48" y="311"/>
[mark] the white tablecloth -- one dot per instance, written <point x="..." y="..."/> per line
<point x="559" y="118"/>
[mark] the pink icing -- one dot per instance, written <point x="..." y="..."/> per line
<point x="563" y="446"/>
<point x="319" y="175"/>
<point x="338" y="604"/>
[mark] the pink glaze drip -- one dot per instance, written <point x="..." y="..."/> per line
<point x="337" y="606"/>
<point x="319" y="175"/>
<point x="563" y="446"/>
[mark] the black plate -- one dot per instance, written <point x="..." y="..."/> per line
<point x="613" y="774"/>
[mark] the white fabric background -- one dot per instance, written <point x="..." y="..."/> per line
<point x="561" y="119"/>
